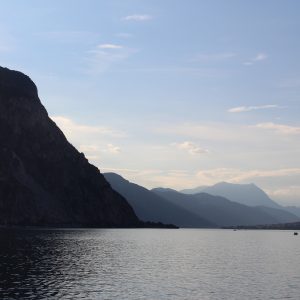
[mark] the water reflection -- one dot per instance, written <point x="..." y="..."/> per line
<point x="52" y="264"/>
<point x="148" y="264"/>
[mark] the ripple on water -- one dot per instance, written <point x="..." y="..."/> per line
<point x="149" y="264"/>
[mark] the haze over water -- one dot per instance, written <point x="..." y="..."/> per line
<point x="149" y="264"/>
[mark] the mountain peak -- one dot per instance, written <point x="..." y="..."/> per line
<point x="248" y="194"/>
<point x="44" y="180"/>
<point x="16" y="83"/>
<point x="163" y="190"/>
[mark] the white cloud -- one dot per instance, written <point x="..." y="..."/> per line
<point x="96" y="142"/>
<point x="248" y="63"/>
<point x="113" y="149"/>
<point x="260" y="56"/>
<point x="289" y="195"/>
<point x="257" y="58"/>
<point x="109" y="46"/>
<point x="72" y="129"/>
<point x="212" y="176"/>
<point x="94" y="152"/>
<point x="191" y="148"/>
<point x="137" y="17"/>
<point x="103" y="56"/>
<point x="279" y="128"/>
<point x="250" y="108"/>
<point x="89" y="148"/>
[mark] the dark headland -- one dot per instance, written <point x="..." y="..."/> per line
<point x="44" y="180"/>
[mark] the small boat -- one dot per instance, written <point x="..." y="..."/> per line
<point x="295" y="233"/>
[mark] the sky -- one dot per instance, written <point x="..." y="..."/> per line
<point x="168" y="93"/>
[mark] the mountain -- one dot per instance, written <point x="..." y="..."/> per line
<point x="195" y="190"/>
<point x="281" y="215"/>
<point x="44" y="180"/>
<point x="293" y="210"/>
<point x="150" y="207"/>
<point x="247" y="194"/>
<point x="218" y="210"/>
<point x="250" y="195"/>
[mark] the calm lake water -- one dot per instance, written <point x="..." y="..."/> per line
<point x="149" y="264"/>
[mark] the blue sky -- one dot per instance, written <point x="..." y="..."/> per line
<point x="168" y="93"/>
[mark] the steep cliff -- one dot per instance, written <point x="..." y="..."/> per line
<point x="44" y="180"/>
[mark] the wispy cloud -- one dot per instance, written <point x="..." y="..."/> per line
<point x="94" y="152"/>
<point x="289" y="195"/>
<point x="96" y="142"/>
<point x="113" y="149"/>
<point x="259" y="57"/>
<point x="213" y="176"/>
<point x="89" y="148"/>
<point x="93" y="141"/>
<point x="72" y="129"/>
<point x="110" y="46"/>
<point x="240" y="109"/>
<point x="138" y="17"/>
<point x="191" y="148"/>
<point x="104" y="56"/>
<point x="226" y="134"/>
<point x="279" y="128"/>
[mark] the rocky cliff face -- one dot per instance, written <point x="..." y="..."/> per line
<point x="44" y="180"/>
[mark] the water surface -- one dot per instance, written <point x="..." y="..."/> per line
<point x="149" y="264"/>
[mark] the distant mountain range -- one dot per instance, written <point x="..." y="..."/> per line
<point x="293" y="209"/>
<point x="247" y="194"/>
<point x="151" y="207"/>
<point x="198" y="210"/>
<point x="45" y="181"/>
<point x="223" y="212"/>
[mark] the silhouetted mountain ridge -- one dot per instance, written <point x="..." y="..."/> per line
<point x="150" y="207"/>
<point x="222" y="211"/>
<point x="44" y="180"/>
<point x="293" y="209"/>
<point x="247" y="194"/>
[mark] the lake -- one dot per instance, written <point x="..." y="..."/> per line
<point x="149" y="264"/>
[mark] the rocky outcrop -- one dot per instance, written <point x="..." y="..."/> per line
<point x="44" y="180"/>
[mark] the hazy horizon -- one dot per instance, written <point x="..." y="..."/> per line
<point x="167" y="93"/>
